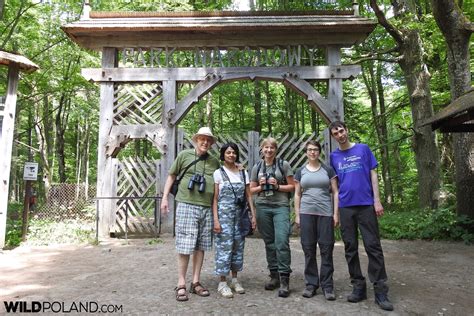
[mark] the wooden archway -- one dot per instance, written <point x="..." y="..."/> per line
<point x="148" y="47"/>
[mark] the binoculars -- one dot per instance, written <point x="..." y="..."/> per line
<point x="267" y="187"/>
<point x="199" y="180"/>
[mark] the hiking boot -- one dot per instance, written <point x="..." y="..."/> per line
<point x="309" y="291"/>
<point x="359" y="291"/>
<point x="274" y="281"/>
<point x="381" y="298"/>
<point x="236" y="286"/>
<point x="224" y="290"/>
<point x="329" y="294"/>
<point x="284" y="290"/>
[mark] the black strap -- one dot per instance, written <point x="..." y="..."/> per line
<point x="203" y="157"/>
<point x="224" y="175"/>
<point x="279" y="165"/>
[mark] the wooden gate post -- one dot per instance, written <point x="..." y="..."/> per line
<point x="105" y="167"/>
<point x="254" y="149"/>
<point x="169" y="108"/>
<point x="6" y="143"/>
<point x="335" y="91"/>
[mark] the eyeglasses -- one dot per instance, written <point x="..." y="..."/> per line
<point x="312" y="149"/>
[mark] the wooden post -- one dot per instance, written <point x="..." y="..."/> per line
<point x="254" y="149"/>
<point x="335" y="92"/>
<point x="169" y="107"/>
<point x="26" y="210"/>
<point x="104" y="163"/>
<point x="6" y="143"/>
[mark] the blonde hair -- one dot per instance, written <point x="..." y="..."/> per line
<point x="269" y="141"/>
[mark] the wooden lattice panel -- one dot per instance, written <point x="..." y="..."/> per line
<point x="137" y="178"/>
<point x="290" y="147"/>
<point x="137" y="104"/>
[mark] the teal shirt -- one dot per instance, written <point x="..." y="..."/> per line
<point x="206" y="167"/>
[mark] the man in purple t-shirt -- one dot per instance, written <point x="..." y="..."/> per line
<point x="359" y="206"/>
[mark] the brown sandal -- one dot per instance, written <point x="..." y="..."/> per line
<point x="181" y="297"/>
<point x="197" y="288"/>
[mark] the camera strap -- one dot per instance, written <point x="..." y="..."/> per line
<point x="224" y="175"/>
<point x="179" y="177"/>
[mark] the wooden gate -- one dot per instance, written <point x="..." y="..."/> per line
<point x="140" y="177"/>
<point x="137" y="178"/>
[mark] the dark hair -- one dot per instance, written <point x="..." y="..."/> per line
<point x="314" y="143"/>
<point x="234" y="147"/>
<point x="336" y="124"/>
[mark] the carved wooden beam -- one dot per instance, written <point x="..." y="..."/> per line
<point x="317" y="101"/>
<point x="185" y="105"/>
<point x="120" y="135"/>
<point x="198" y="74"/>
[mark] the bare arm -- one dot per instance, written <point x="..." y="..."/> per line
<point x="166" y="191"/>
<point x="375" y="188"/>
<point x="252" y="206"/>
<point x="217" y="225"/>
<point x="297" y="203"/>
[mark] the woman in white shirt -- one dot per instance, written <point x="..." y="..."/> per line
<point x="230" y="193"/>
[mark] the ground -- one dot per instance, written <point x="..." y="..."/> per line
<point x="425" y="278"/>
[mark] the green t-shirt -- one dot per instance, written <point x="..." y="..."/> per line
<point x="206" y="167"/>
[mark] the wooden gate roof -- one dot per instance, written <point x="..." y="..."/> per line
<point x="185" y="30"/>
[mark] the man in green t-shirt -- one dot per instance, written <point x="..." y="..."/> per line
<point x="193" y="213"/>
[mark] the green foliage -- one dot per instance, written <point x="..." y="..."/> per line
<point x="438" y="224"/>
<point x="155" y="241"/>
<point x="49" y="232"/>
<point x="13" y="233"/>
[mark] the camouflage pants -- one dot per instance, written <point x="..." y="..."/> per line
<point x="229" y="244"/>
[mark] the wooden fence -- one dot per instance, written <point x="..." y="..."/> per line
<point x="139" y="177"/>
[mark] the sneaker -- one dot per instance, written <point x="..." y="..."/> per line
<point x="329" y="294"/>
<point x="224" y="290"/>
<point x="309" y="291"/>
<point x="237" y="287"/>
<point x="382" y="300"/>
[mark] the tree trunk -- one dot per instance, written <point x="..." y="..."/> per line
<point x="43" y="130"/>
<point x="258" y="107"/>
<point x="424" y="144"/>
<point x="417" y="79"/>
<point x="383" y="138"/>
<point x="457" y="32"/>
<point x="269" y="107"/>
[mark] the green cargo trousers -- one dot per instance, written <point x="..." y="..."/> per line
<point x="273" y="223"/>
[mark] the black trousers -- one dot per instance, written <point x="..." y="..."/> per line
<point x="362" y="218"/>
<point x="317" y="230"/>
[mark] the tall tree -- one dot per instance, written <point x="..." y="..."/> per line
<point x="411" y="61"/>
<point x="457" y="30"/>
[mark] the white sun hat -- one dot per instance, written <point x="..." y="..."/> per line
<point x="205" y="131"/>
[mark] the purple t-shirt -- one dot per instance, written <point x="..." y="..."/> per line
<point x="353" y="167"/>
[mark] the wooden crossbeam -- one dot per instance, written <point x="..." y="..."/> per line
<point x="199" y="73"/>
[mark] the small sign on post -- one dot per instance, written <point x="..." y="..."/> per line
<point x="30" y="172"/>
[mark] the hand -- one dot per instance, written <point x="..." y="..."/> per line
<point x="273" y="181"/>
<point x="254" y="223"/>
<point x="336" y="220"/>
<point x="164" y="206"/>
<point x="378" y="208"/>
<point x="217" y="227"/>
<point x="262" y="181"/>
<point x="297" y="221"/>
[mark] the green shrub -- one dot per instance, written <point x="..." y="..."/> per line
<point x="439" y="224"/>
